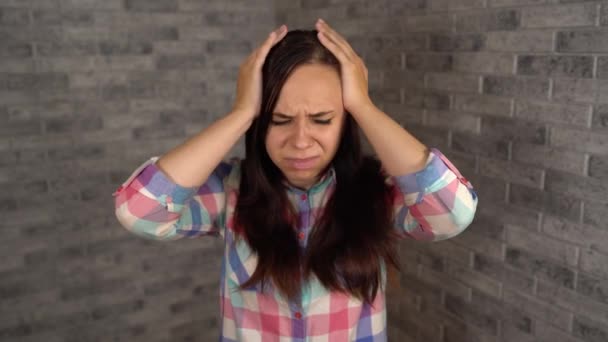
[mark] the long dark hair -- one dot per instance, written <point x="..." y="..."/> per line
<point x="353" y="235"/>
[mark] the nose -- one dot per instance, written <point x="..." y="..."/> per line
<point x="301" y="138"/>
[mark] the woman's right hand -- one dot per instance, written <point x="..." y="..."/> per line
<point x="249" y="83"/>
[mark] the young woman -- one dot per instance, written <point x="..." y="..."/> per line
<point x="309" y="224"/>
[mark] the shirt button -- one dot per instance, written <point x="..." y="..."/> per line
<point x="303" y="197"/>
<point x="301" y="236"/>
<point x="298" y="315"/>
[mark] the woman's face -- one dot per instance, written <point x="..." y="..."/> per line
<point x="306" y="124"/>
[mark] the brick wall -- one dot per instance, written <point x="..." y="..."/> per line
<point x="88" y="91"/>
<point x="514" y="92"/>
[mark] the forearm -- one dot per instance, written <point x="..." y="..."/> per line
<point x="191" y="163"/>
<point x="399" y="151"/>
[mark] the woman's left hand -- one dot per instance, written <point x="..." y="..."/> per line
<point x="355" y="94"/>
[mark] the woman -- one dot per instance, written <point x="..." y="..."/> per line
<point x="309" y="224"/>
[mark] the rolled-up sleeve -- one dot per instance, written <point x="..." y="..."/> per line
<point x="435" y="203"/>
<point x="151" y="205"/>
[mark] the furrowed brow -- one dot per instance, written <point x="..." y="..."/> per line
<point x="315" y="115"/>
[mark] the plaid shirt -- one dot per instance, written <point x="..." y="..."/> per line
<point x="432" y="204"/>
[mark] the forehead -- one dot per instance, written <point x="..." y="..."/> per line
<point x="311" y="87"/>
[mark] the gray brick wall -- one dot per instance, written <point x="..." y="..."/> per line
<point x="514" y="93"/>
<point x="89" y="90"/>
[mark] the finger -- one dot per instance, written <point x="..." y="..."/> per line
<point x="273" y="38"/>
<point x="333" y="47"/>
<point x="336" y="37"/>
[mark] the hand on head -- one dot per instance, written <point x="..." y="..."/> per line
<point x="354" y="72"/>
<point x="249" y="83"/>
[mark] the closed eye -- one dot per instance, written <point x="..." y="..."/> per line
<point x="323" y="122"/>
<point x="278" y="123"/>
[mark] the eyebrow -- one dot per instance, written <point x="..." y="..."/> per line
<point x="315" y="115"/>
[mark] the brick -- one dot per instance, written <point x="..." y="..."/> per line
<point x="573" y="232"/>
<point x="472" y="313"/>
<point x="478" y="145"/>
<point x="427" y="23"/>
<point x="489" y="223"/>
<point x="528" y="239"/>
<point x="578" y="186"/>
<point x="67" y="17"/>
<point x="15" y="64"/>
<point x="516" y="331"/>
<point x="572" y="301"/>
<point x="538" y="308"/>
<point x="308" y="4"/>
<point x="77" y="153"/>
<point x="559" y="15"/>
<point x="229" y="47"/>
<point x="449" y="250"/>
<point x="428" y="62"/>
<point x="72" y="125"/>
<point x="580" y="90"/>
<point x="524" y="87"/>
<point x="33" y="81"/>
<point x="598" y="167"/>
<point x="15" y="50"/>
<point x="491" y="189"/>
<point x="456" y="121"/>
<point x="404" y="42"/>
<point x="29" y="35"/>
<point x="166" y="62"/>
<point x="602" y="67"/>
<point x="555" y="66"/>
<point x="480" y="243"/>
<point x="252" y="18"/>
<point x="32" y="127"/>
<point x="453" y="82"/>
<point x="570" y="114"/>
<point x="429" y="292"/>
<point x="548" y="332"/>
<point x="594" y="213"/>
<point x="499" y="3"/>
<point x="391" y="59"/>
<point x="71" y="48"/>
<point x="603" y="14"/>
<point x="599" y="120"/>
<point x="483" y="104"/>
<point x="449" y="283"/>
<point x="555" y="204"/>
<point x="426" y="99"/>
<point x="594" y="263"/>
<point x="116" y="47"/>
<point x="589" y="329"/>
<point x="593" y="287"/>
<point x="387" y="95"/>
<point x="513" y="130"/>
<point x="151" y="5"/>
<point x="525" y="41"/>
<point x="14" y="17"/>
<point x="403" y="79"/>
<point x="484" y="62"/>
<point x="539" y="266"/>
<point x="456" y="42"/>
<point x="582" y="41"/>
<point x="498" y="20"/>
<point x="511" y="172"/>
<point x="579" y="140"/>
<point x="470" y="277"/>
<point x="381" y="8"/>
<point x="91" y="4"/>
